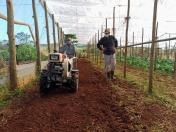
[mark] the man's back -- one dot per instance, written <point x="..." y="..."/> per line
<point x="108" y="43"/>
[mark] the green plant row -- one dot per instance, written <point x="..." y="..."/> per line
<point x="162" y="65"/>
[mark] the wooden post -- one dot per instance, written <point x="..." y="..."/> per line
<point x="168" y="53"/>
<point x="133" y="44"/>
<point x="93" y="44"/>
<point x="152" y="48"/>
<point x="156" y="48"/>
<point x="60" y="42"/>
<point x="12" y="47"/>
<point x="38" y="61"/>
<point x="93" y="49"/>
<point x="47" y="27"/>
<point x="54" y="32"/>
<point x="62" y="38"/>
<point x="101" y="31"/>
<point x="98" y="55"/>
<point x="148" y="52"/>
<point x="106" y="23"/>
<point x="101" y="53"/>
<point x="166" y="49"/>
<point x="120" y="50"/>
<point x="142" y="50"/>
<point x="58" y="35"/>
<point x="114" y="21"/>
<point x="95" y="54"/>
<point x="175" y="61"/>
<point x="126" y="38"/>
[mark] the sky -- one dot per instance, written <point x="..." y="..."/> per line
<point x="85" y="17"/>
<point x="23" y="12"/>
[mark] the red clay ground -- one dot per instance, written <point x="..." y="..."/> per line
<point x="98" y="107"/>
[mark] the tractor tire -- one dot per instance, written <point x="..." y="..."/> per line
<point x="44" y="89"/>
<point x="74" y="85"/>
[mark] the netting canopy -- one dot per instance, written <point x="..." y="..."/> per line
<point x="82" y="17"/>
<point x="85" y="17"/>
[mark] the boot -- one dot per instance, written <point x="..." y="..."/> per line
<point x="112" y="75"/>
<point x="108" y="75"/>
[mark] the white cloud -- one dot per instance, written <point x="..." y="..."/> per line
<point x="82" y="16"/>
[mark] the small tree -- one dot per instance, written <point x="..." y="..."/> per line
<point x="22" y="38"/>
<point x="71" y="36"/>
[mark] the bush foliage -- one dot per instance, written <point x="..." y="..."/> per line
<point x="24" y="52"/>
<point x="162" y="65"/>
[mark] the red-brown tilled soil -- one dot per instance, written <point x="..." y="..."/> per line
<point x="93" y="108"/>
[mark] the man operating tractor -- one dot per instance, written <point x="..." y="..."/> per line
<point x="68" y="49"/>
<point x="108" y="45"/>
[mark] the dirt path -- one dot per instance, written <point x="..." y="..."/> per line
<point x="93" y="108"/>
<point x="98" y="107"/>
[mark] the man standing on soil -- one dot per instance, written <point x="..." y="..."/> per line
<point x="108" y="45"/>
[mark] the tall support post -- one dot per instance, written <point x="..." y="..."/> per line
<point x="168" y="53"/>
<point x="106" y="23"/>
<point x="38" y="61"/>
<point x="58" y="35"/>
<point x="126" y="37"/>
<point x="156" y="48"/>
<point x="101" y="53"/>
<point x="47" y="27"/>
<point x="148" y="51"/>
<point x="54" y="32"/>
<point x="142" y="47"/>
<point x="175" y="61"/>
<point x="150" y="87"/>
<point x="133" y="46"/>
<point x="93" y="49"/>
<point x="12" y="47"/>
<point x="114" y="28"/>
<point x="98" y="55"/>
<point x="101" y="31"/>
<point x="61" y="38"/>
<point x="95" y="54"/>
<point x="120" y="50"/>
<point x="166" y="49"/>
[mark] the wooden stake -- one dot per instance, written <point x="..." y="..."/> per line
<point x="98" y="55"/>
<point x="156" y="49"/>
<point x="168" y="53"/>
<point x="175" y="61"/>
<point x="47" y="26"/>
<point x="152" y="48"/>
<point x="126" y="38"/>
<point x="120" y="50"/>
<point x="54" y="32"/>
<point x="106" y="23"/>
<point x="61" y="38"/>
<point x="38" y="61"/>
<point x="134" y="47"/>
<point x="95" y="54"/>
<point x="12" y="47"/>
<point x="114" y="21"/>
<point x="142" y="50"/>
<point x="101" y="31"/>
<point x="58" y="33"/>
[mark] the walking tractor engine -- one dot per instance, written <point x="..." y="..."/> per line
<point x="60" y="71"/>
